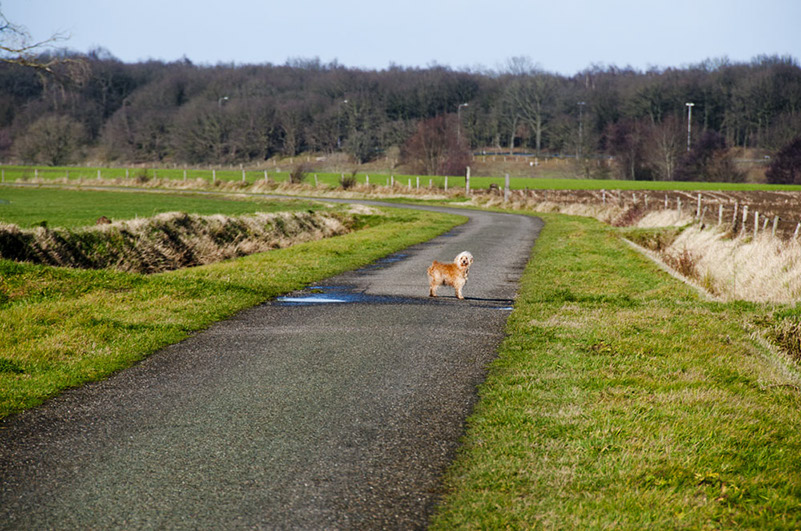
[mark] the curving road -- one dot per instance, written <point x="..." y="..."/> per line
<point x="336" y="407"/>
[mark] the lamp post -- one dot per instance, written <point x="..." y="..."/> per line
<point x="459" y="119"/>
<point x="689" y="122"/>
<point x="339" y="125"/>
<point x="581" y="130"/>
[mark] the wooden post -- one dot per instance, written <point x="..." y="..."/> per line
<point x="678" y="206"/>
<point x="745" y="218"/>
<point x="98" y="173"/>
<point x="506" y="189"/>
<point x="797" y="228"/>
<point x="266" y="178"/>
<point x="126" y="173"/>
<point x="392" y="181"/>
<point x="646" y="201"/>
<point x="184" y="174"/>
<point x="214" y="176"/>
<point x="243" y="175"/>
<point x="467" y="181"/>
<point x="775" y="225"/>
<point x="410" y="183"/>
<point x="666" y="202"/>
<point x="734" y="216"/>
<point x="3" y="178"/>
<point x="418" y="182"/>
<point x="446" y="183"/>
<point x="367" y="180"/>
<point x="756" y="223"/>
<point x="720" y="214"/>
<point x="698" y="208"/>
<point x="603" y="196"/>
<point x="315" y="180"/>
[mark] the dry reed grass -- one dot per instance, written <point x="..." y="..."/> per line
<point x="167" y="241"/>
<point x="761" y="269"/>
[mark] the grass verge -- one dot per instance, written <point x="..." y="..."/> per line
<point x="620" y="399"/>
<point x="60" y="328"/>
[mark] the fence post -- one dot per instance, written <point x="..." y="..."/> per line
<point x="775" y="224"/>
<point x="315" y="180"/>
<point x="467" y="181"/>
<point x="266" y="179"/>
<point x="756" y="223"/>
<point x="720" y="214"/>
<point x="243" y="175"/>
<point x="678" y="206"/>
<point x="698" y="208"/>
<point x="797" y="227"/>
<point x="184" y="174"/>
<point x="213" y="176"/>
<point x="418" y="182"/>
<point x="367" y="180"/>
<point x="506" y="189"/>
<point x="410" y="183"/>
<point x="446" y="183"/>
<point x="4" y="175"/>
<point x="603" y="196"/>
<point x="745" y="218"/>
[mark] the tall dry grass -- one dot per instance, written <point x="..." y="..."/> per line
<point x="729" y="267"/>
<point x="167" y="241"/>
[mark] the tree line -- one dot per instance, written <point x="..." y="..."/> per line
<point x="179" y="112"/>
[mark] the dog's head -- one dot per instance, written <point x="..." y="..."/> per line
<point x="464" y="260"/>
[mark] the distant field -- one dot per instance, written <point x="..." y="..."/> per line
<point x="13" y="173"/>
<point x="27" y="207"/>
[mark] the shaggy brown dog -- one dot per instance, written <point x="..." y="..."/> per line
<point x="454" y="275"/>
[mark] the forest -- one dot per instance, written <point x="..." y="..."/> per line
<point x="93" y="107"/>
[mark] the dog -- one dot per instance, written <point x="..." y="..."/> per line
<point x="454" y="275"/>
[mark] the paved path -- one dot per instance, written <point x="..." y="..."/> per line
<point x="309" y="414"/>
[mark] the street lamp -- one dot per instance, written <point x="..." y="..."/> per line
<point x="689" y="122"/>
<point x="581" y="129"/>
<point x="459" y="119"/>
<point x="339" y="124"/>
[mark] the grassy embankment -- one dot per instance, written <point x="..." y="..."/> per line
<point x="63" y="327"/>
<point x="621" y="399"/>
<point x="332" y="180"/>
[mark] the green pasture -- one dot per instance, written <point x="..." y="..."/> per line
<point x="400" y="181"/>
<point x="28" y="207"/>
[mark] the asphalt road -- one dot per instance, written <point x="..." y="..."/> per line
<point x="338" y="407"/>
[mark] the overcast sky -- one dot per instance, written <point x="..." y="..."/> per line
<point x="564" y="36"/>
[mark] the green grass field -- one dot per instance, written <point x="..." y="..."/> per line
<point x="332" y="180"/>
<point x="622" y="400"/>
<point x="28" y="207"/>
<point x="62" y="327"/>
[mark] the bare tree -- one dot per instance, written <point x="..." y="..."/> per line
<point x="16" y="47"/>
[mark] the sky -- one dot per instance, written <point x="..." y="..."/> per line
<point x="561" y="36"/>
